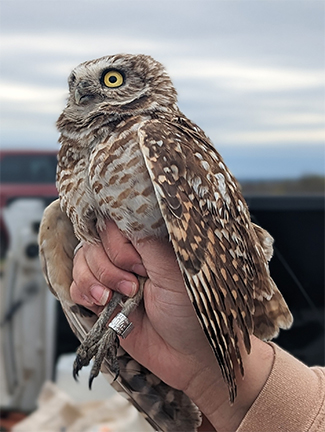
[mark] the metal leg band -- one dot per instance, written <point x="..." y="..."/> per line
<point x="121" y="325"/>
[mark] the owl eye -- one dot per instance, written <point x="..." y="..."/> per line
<point x="113" y="78"/>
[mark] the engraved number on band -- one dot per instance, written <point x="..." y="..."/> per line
<point x="121" y="325"/>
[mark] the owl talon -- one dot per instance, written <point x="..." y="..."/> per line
<point x="79" y="363"/>
<point x="91" y="379"/>
<point x="75" y="374"/>
<point x="107" y="347"/>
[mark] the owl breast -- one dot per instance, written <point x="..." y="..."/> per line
<point x="121" y="186"/>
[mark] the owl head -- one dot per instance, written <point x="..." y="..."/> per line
<point x="119" y="85"/>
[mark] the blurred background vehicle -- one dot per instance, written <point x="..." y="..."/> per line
<point x="25" y="173"/>
<point x="27" y="316"/>
<point x="28" y="310"/>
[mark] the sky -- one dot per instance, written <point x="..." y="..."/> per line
<point x="251" y="73"/>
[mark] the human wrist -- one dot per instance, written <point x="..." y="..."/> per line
<point x="203" y="393"/>
<point x="209" y="392"/>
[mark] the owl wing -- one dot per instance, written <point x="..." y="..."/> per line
<point x="222" y="261"/>
<point x="162" y="406"/>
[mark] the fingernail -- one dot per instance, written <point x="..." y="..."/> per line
<point x="139" y="269"/>
<point x="100" y="294"/>
<point x="127" y="288"/>
<point x="88" y="300"/>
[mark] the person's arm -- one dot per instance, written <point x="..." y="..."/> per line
<point x="292" y="399"/>
<point x="167" y="338"/>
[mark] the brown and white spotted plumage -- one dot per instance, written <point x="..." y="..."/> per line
<point x="129" y="154"/>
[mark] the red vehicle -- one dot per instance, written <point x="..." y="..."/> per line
<point x="25" y="173"/>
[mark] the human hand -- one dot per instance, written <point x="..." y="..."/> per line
<point x="167" y="338"/>
<point x="167" y="334"/>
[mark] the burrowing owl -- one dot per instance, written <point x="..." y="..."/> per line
<point x="129" y="154"/>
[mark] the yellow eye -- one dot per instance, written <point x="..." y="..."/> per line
<point x="113" y="78"/>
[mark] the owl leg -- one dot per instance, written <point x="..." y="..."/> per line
<point x="90" y="345"/>
<point x="103" y="342"/>
<point x="109" y="343"/>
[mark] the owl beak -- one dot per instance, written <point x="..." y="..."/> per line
<point x="80" y="96"/>
<point x="82" y="93"/>
<point x="77" y="96"/>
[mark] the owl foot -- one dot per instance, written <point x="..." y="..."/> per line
<point x="103" y="342"/>
<point x="107" y="347"/>
<point x="91" y="343"/>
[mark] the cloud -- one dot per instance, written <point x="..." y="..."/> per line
<point x="73" y="44"/>
<point x="242" y="77"/>
<point x="249" y="73"/>
<point x="275" y="137"/>
<point x="294" y="119"/>
<point x="21" y="93"/>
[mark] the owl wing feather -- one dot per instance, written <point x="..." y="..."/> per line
<point x="161" y="405"/>
<point x="224" y="266"/>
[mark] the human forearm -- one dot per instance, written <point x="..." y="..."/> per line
<point x="293" y="398"/>
<point x="210" y="393"/>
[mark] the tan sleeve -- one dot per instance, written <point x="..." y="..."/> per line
<point x="292" y="399"/>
